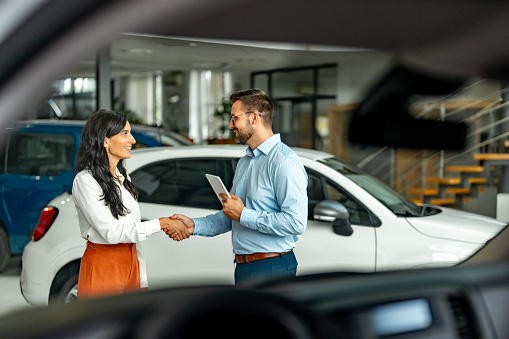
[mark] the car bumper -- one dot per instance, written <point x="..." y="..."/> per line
<point x="41" y="262"/>
<point x="34" y="283"/>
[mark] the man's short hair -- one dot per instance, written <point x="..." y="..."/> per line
<point x="256" y="100"/>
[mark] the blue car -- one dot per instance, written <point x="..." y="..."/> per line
<point x="37" y="161"/>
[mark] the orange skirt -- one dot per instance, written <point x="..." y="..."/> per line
<point x="108" y="269"/>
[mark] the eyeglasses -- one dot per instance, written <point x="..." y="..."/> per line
<point x="235" y="116"/>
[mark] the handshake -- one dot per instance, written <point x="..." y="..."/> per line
<point x="178" y="226"/>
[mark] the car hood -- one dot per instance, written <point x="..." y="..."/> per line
<point x="457" y="225"/>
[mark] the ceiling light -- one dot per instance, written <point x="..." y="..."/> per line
<point x="139" y="51"/>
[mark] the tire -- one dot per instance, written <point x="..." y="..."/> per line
<point x="5" y="250"/>
<point x="64" y="289"/>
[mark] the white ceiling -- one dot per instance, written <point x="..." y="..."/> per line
<point x="134" y="53"/>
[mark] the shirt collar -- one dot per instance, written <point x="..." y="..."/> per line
<point x="265" y="147"/>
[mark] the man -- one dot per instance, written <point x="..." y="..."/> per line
<point x="268" y="206"/>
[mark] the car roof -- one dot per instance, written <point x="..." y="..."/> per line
<point x="235" y="150"/>
<point x="80" y="123"/>
<point x="46" y="122"/>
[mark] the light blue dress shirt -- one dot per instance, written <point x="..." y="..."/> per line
<point x="271" y="182"/>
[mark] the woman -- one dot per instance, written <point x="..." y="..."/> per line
<point x="108" y="211"/>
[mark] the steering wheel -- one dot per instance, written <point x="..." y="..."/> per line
<point x="234" y="313"/>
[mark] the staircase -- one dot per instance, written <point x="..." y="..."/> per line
<point x="452" y="179"/>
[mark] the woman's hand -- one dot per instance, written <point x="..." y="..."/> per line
<point x="175" y="228"/>
<point x="186" y="221"/>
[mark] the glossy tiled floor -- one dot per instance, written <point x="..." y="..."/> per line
<point x="10" y="293"/>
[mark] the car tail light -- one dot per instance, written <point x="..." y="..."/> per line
<point x="45" y="221"/>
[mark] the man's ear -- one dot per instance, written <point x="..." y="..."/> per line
<point x="257" y="118"/>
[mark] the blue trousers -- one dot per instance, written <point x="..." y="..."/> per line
<point x="278" y="267"/>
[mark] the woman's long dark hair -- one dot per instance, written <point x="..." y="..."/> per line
<point x="92" y="156"/>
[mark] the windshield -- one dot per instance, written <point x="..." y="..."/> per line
<point x="168" y="138"/>
<point x="396" y="202"/>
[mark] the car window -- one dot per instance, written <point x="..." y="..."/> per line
<point x="359" y="215"/>
<point x="320" y="188"/>
<point x="316" y="192"/>
<point x="393" y="200"/>
<point x="139" y="144"/>
<point x="39" y="154"/>
<point x="167" y="139"/>
<point x="182" y="181"/>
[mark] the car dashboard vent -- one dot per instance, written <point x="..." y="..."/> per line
<point x="463" y="317"/>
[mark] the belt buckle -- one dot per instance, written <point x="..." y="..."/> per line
<point x="243" y="258"/>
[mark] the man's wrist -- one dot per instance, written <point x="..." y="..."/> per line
<point x="248" y="217"/>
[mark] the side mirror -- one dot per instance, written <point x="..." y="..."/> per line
<point x="333" y="211"/>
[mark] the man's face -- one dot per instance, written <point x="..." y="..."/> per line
<point x="240" y="123"/>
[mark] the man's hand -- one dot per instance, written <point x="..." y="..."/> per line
<point x="174" y="228"/>
<point x="232" y="207"/>
<point x="187" y="222"/>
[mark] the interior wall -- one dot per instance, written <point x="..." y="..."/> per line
<point x="355" y="75"/>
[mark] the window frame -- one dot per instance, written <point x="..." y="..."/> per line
<point x="55" y="136"/>
<point x="222" y="164"/>
<point x="375" y="221"/>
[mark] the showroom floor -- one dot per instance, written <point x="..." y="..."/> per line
<point x="10" y="293"/>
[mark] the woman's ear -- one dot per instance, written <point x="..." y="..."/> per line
<point x="106" y="143"/>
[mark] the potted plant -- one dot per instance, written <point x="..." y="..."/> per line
<point x="223" y="135"/>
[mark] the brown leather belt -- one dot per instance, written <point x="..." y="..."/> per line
<point x="246" y="258"/>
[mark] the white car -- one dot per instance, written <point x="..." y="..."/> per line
<point x="379" y="229"/>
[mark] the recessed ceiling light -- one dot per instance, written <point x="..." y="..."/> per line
<point x="139" y="51"/>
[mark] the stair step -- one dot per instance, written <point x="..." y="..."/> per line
<point x="506" y="143"/>
<point x="456" y="181"/>
<point x="479" y="180"/>
<point x="465" y="169"/>
<point x="423" y="191"/>
<point x="444" y="181"/>
<point x="458" y="191"/>
<point x="491" y="156"/>
<point x="446" y="201"/>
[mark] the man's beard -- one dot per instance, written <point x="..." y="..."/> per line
<point x="243" y="136"/>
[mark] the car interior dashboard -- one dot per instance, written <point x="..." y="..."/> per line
<point x="453" y="302"/>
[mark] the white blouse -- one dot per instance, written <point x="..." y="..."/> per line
<point x="98" y="225"/>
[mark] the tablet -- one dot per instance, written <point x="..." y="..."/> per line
<point x="217" y="185"/>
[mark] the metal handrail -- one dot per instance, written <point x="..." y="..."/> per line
<point x="490" y="108"/>
<point x="370" y="157"/>
<point x="449" y="97"/>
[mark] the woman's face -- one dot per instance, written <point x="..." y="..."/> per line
<point x="119" y="146"/>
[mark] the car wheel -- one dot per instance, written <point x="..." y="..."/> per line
<point x="5" y="250"/>
<point x="64" y="289"/>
